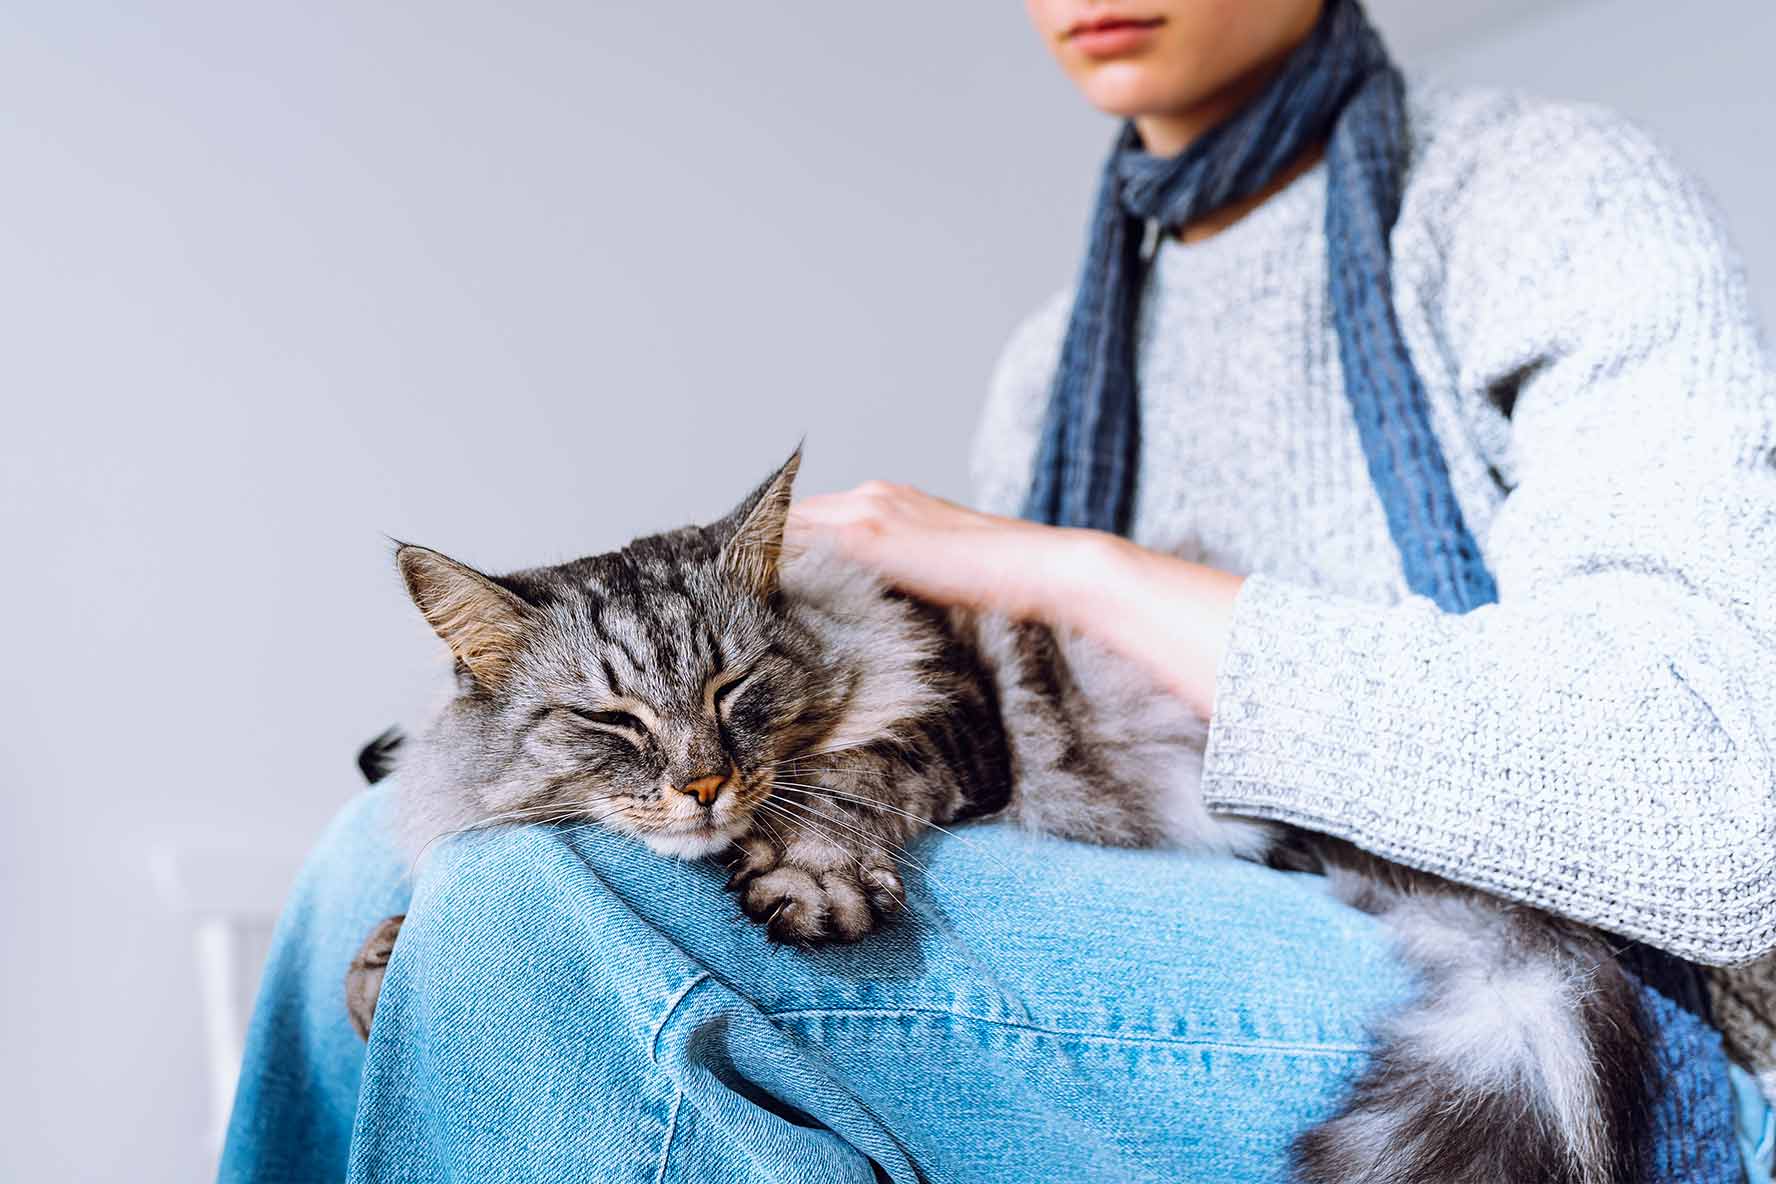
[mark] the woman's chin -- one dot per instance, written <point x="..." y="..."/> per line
<point x="1129" y="90"/>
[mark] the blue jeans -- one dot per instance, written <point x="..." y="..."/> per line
<point x="564" y="1005"/>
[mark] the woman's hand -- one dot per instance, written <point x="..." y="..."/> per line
<point x="939" y="551"/>
<point x="1166" y="614"/>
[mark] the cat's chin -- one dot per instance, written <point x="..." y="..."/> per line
<point x="689" y="844"/>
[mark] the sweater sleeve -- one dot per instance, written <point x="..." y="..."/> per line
<point x="1602" y="741"/>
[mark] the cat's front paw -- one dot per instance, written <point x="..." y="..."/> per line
<point x="811" y="897"/>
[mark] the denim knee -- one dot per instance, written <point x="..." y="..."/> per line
<point x="523" y="917"/>
<point x="522" y="987"/>
<point x="482" y="890"/>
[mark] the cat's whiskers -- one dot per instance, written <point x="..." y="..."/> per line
<point x="841" y="796"/>
<point x="541" y="814"/>
<point x="781" y="809"/>
<point x="777" y="808"/>
<point x="576" y="823"/>
<point x="772" y="827"/>
<point x="902" y="898"/>
<point x="877" y="843"/>
<point x="809" y="755"/>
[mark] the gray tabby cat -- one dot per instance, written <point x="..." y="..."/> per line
<point x="707" y="694"/>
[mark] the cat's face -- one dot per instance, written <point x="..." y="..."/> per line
<point x="653" y="690"/>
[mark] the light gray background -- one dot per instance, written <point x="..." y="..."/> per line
<point x="516" y="282"/>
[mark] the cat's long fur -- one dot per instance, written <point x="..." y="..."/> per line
<point x="853" y="716"/>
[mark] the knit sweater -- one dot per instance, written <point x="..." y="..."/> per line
<point x="1602" y="741"/>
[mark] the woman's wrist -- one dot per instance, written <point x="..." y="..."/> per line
<point x="1083" y="580"/>
<point x="1168" y="615"/>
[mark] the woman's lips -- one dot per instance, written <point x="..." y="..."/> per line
<point x="1113" y="36"/>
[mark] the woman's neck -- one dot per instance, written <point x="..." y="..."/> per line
<point x="1169" y="133"/>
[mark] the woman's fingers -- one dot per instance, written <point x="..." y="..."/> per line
<point x="874" y="503"/>
<point x="923" y="544"/>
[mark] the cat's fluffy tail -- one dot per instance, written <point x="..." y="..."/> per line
<point x="1525" y="1057"/>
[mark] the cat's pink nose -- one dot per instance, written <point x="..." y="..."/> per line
<point x="706" y="788"/>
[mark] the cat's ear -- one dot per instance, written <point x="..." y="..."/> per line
<point x="481" y="622"/>
<point x="755" y="548"/>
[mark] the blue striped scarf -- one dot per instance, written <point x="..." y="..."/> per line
<point x="1338" y="88"/>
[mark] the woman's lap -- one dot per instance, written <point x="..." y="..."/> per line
<point x="1045" y="1010"/>
<point x="564" y="1004"/>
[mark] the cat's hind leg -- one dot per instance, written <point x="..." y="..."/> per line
<point x="363" y="978"/>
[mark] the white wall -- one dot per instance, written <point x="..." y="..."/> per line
<point x="517" y="284"/>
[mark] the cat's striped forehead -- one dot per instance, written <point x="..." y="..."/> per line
<point x="654" y="624"/>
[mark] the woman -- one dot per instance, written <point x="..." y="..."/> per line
<point x="1396" y="353"/>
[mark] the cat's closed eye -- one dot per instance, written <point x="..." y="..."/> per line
<point x="626" y="723"/>
<point x="722" y="694"/>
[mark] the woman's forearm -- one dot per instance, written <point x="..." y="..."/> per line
<point x="1170" y="616"/>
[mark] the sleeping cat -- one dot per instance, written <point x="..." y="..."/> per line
<point x="712" y="696"/>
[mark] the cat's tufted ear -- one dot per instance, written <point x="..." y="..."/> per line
<point x="481" y="622"/>
<point x="755" y="548"/>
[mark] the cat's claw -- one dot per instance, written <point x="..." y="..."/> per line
<point x="808" y="906"/>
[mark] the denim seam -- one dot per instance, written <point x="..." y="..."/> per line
<point x="678" y="1098"/>
<point x="672" y="1005"/>
<point x="1184" y="1042"/>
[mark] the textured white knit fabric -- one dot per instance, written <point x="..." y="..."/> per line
<point x="1602" y="742"/>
